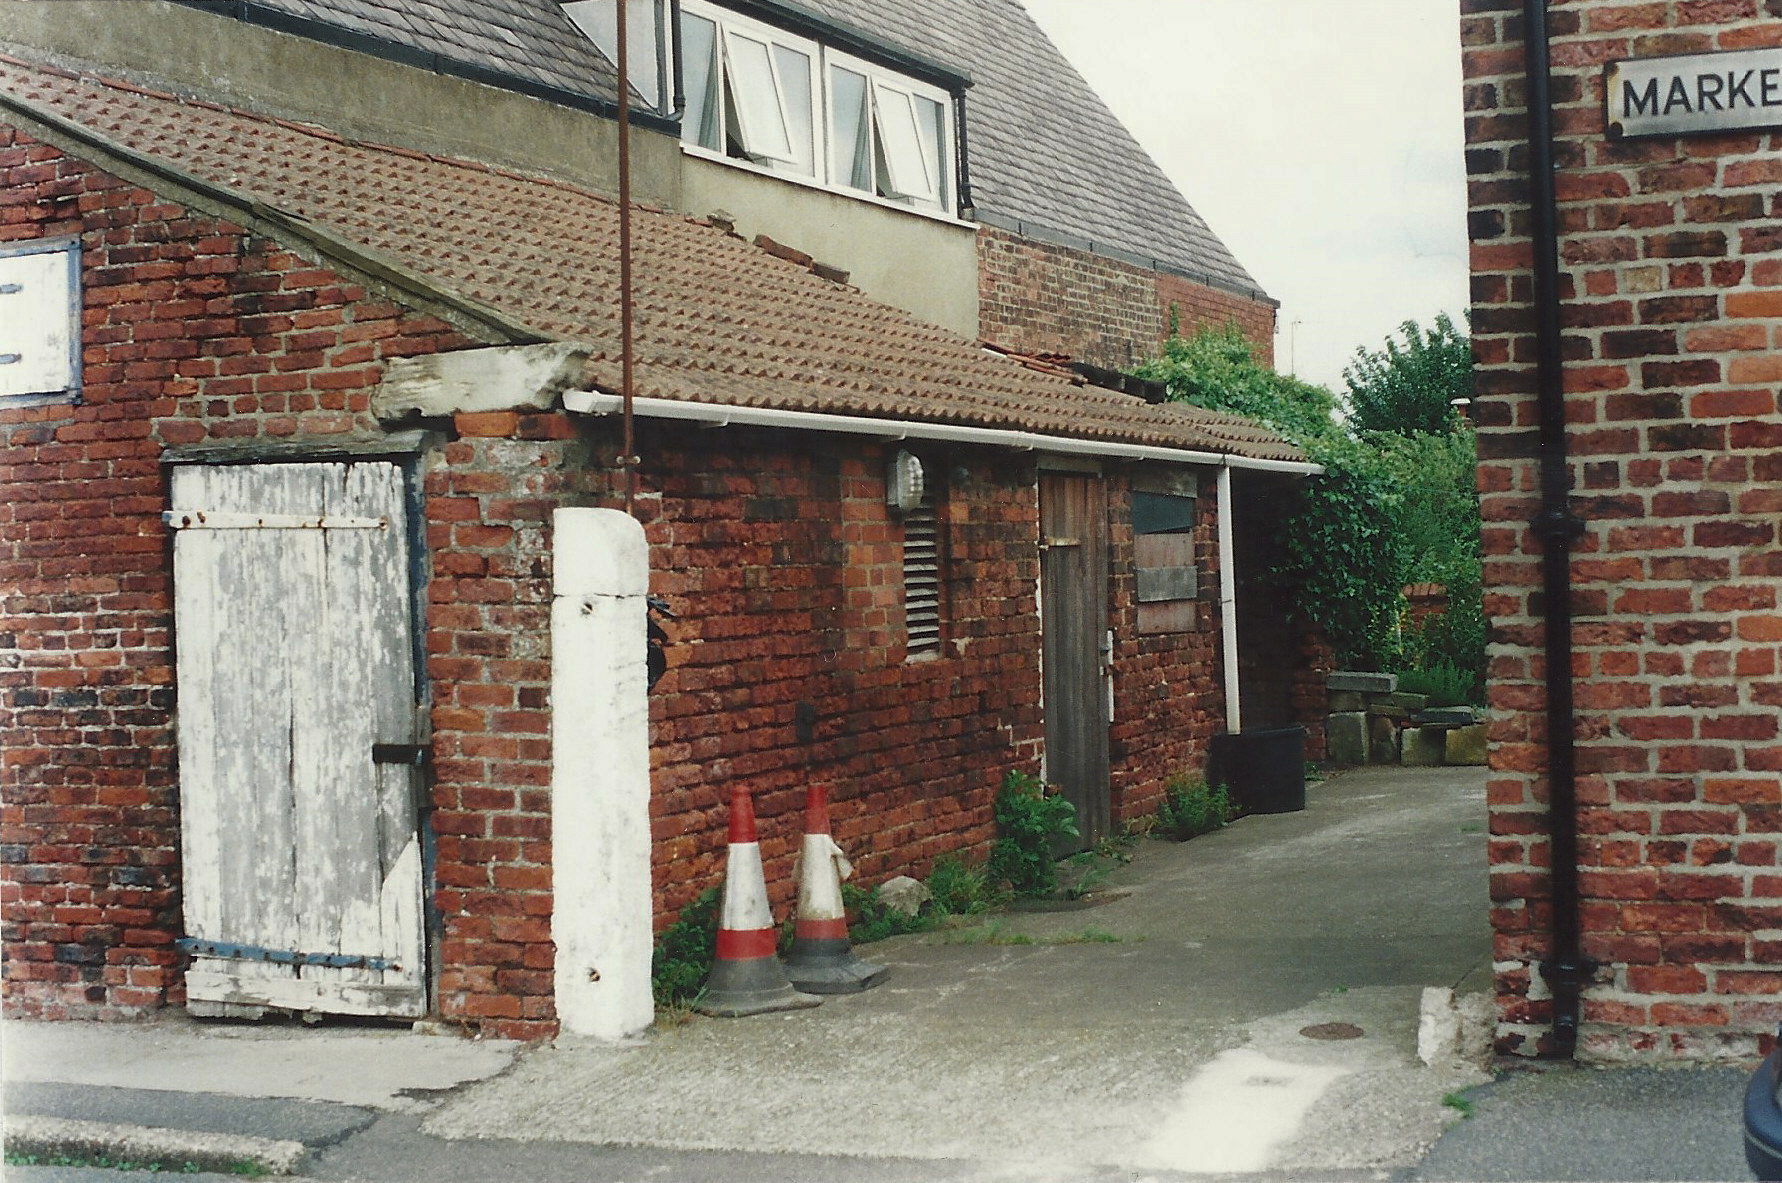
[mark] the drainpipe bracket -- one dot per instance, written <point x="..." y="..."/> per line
<point x="1557" y="525"/>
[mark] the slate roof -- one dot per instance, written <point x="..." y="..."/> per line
<point x="718" y="319"/>
<point x="1047" y="156"/>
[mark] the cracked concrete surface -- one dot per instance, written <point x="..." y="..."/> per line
<point x="1091" y="1054"/>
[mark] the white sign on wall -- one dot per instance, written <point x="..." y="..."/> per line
<point x="39" y="347"/>
<point x="1698" y="94"/>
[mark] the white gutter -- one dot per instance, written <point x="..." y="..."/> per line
<point x="1234" y="720"/>
<point x="590" y="402"/>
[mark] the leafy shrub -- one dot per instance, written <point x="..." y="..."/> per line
<point x="683" y="955"/>
<point x="1030" y="824"/>
<point x="1190" y="808"/>
<point x="1410" y="388"/>
<point x="1396" y="502"/>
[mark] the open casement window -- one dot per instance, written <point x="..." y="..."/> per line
<point x="922" y="580"/>
<point x="751" y="91"/>
<point x="889" y="136"/>
<point x="771" y="100"/>
<point x="39" y="322"/>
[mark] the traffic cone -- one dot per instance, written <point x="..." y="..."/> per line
<point x="821" y="960"/>
<point x="746" y="977"/>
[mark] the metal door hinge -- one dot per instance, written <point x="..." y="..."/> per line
<point x="414" y="754"/>
<point x="202" y="948"/>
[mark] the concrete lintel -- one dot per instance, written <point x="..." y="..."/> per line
<point x="495" y="378"/>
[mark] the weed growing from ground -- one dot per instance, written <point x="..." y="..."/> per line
<point x="683" y="955"/>
<point x="1190" y="808"/>
<point x="1029" y="824"/>
<point x="959" y="890"/>
<point x="1459" y="1104"/>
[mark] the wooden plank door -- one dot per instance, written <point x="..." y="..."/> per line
<point x="1074" y="623"/>
<point x="300" y="843"/>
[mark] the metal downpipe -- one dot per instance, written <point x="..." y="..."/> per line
<point x="1566" y="969"/>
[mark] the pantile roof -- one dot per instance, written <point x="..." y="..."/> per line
<point x="718" y="319"/>
<point x="1047" y="156"/>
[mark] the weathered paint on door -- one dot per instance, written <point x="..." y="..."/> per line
<point x="294" y="637"/>
<point x="1074" y="620"/>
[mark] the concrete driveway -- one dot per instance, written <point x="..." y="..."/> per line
<point x="1159" y="1031"/>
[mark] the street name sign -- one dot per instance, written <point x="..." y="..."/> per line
<point x="1697" y="94"/>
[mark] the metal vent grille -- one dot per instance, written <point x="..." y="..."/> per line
<point x="921" y="580"/>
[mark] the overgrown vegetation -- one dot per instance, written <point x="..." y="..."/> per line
<point x="1030" y="824"/>
<point x="1408" y="386"/>
<point x="1395" y="504"/>
<point x="683" y="956"/>
<point x="1191" y="808"/>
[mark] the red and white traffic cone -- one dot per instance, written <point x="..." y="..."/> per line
<point x="746" y="977"/>
<point x="821" y="960"/>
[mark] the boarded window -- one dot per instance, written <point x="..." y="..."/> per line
<point x="1165" y="578"/>
<point x="921" y="579"/>
<point x="39" y="321"/>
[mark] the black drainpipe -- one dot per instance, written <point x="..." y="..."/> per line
<point x="1566" y="969"/>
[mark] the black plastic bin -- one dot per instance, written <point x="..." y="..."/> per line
<point x="1264" y="771"/>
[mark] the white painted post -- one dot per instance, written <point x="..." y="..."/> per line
<point x="1228" y="625"/>
<point x="600" y="774"/>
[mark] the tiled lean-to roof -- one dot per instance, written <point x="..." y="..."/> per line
<point x="1047" y="156"/>
<point x="718" y="320"/>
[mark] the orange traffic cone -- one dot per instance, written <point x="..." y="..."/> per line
<point x="746" y="977"/>
<point x="821" y="960"/>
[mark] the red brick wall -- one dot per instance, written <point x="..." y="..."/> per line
<point x="1036" y="297"/>
<point x="785" y="564"/>
<point x="191" y="330"/>
<point x="776" y="548"/>
<point x="1672" y="288"/>
<point x="1168" y="687"/>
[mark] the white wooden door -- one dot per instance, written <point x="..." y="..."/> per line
<point x="301" y="856"/>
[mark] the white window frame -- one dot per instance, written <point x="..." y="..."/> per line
<point x="763" y="149"/>
<point x="32" y="272"/>
<point x="934" y="197"/>
<point x="885" y="89"/>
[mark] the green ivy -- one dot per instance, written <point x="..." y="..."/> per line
<point x="1391" y="507"/>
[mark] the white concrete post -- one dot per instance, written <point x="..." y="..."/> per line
<point x="600" y="774"/>
<point x="1228" y="623"/>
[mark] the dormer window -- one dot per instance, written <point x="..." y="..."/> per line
<point x="889" y="135"/>
<point x="792" y="106"/>
<point x="750" y="92"/>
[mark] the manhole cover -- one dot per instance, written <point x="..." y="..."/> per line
<point x="1332" y="1031"/>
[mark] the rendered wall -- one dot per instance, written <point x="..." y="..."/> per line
<point x="243" y="65"/>
<point x="1671" y="277"/>
<point x="923" y="265"/>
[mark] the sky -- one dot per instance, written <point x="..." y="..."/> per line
<point x="1321" y="140"/>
